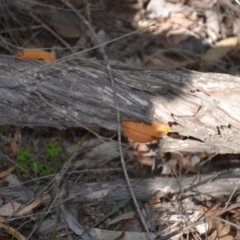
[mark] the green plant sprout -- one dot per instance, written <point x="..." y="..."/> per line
<point x="23" y="154"/>
<point x="27" y="162"/>
<point x="53" y="150"/>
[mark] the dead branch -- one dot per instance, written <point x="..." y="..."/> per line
<point x="202" y="107"/>
<point x="208" y="186"/>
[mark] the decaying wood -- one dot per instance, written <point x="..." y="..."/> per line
<point x="206" y="186"/>
<point x="215" y="185"/>
<point x="202" y="107"/>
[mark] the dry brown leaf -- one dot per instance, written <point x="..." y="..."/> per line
<point x="35" y="54"/>
<point x="208" y="211"/>
<point x="218" y="229"/>
<point x="7" y="172"/>
<point x="29" y="207"/>
<point x="180" y="19"/>
<point x="124" y="216"/>
<point x="14" y="143"/>
<point x="221" y="231"/>
<point x="127" y="224"/>
<point x="235" y="214"/>
<point x="3" y="220"/>
<point x="235" y="211"/>
<point x="221" y="49"/>
<point x="187" y="165"/>
<point x="142" y="132"/>
<point x="155" y="199"/>
<point x="12" y="231"/>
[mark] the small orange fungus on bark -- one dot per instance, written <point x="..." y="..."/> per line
<point x="35" y="54"/>
<point x="142" y="132"/>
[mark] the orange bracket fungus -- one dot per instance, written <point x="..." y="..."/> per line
<point x="35" y="54"/>
<point x="142" y="132"/>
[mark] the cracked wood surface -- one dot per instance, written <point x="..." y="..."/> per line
<point x="202" y="107"/>
<point x="218" y="185"/>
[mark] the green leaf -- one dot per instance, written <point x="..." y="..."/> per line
<point x="23" y="154"/>
<point x="33" y="160"/>
<point x="51" y="170"/>
<point x="45" y="173"/>
<point x="27" y="162"/>
<point x="53" y="149"/>
<point x="53" y="144"/>
<point x="23" y="166"/>
<point x="41" y="167"/>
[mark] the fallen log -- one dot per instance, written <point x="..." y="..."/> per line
<point x="208" y="186"/>
<point x="201" y="107"/>
<point x="184" y="194"/>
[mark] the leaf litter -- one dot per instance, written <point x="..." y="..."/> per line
<point x="169" y="33"/>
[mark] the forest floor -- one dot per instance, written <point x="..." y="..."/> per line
<point x="42" y="168"/>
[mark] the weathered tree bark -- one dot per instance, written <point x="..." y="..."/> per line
<point x="202" y="107"/>
<point x="206" y="186"/>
